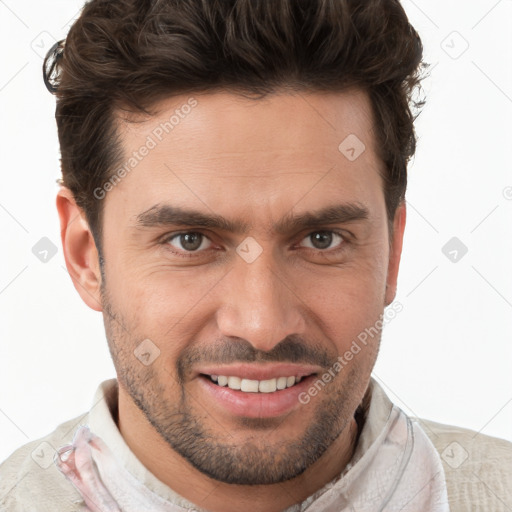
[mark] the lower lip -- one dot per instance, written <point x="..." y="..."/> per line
<point x="256" y="405"/>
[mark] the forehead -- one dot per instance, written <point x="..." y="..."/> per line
<point x="274" y="151"/>
<point x="230" y="122"/>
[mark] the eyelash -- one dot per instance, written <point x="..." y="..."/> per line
<point x="193" y="254"/>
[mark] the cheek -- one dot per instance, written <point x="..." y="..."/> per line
<point x="346" y="301"/>
<point x="169" y="307"/>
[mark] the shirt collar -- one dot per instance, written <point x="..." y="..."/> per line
<point x="375" y="412"/>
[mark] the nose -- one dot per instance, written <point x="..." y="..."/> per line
<point x="259" y="305"/>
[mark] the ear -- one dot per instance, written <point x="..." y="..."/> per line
<point x="395" y="252"/>
<point x="80" y="250"/>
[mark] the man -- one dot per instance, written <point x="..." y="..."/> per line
<point x="234" y="175"/>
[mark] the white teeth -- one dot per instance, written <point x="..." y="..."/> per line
<point x="255" y="386"/>
<point x="234" y="382"/>
<point x="281" y="383"/>
<point x="249" y="386"/>
<point x="268" y="386"/>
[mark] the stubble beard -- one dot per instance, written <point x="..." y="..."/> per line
<point x="183" y="429"/>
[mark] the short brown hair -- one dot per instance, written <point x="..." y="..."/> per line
<point x="129" y="54"/>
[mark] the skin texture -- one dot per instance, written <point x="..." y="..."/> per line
<point x="304" y="299"/>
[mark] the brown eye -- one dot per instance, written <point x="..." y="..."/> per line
<point x="189" y="242"/>
<point x="322" y="240"/>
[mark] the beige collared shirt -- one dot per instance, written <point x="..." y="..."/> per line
<point x="477" y="468"/>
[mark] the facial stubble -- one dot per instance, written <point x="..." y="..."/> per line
<point x="182" y="422"/>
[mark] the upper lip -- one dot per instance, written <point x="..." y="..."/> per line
<point x="255" y="371"/>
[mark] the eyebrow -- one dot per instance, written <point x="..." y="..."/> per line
<point x="168" y="215"/>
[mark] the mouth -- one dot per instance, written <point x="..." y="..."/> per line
<point x="256" y="391"/>
<point x="245" y="385"/>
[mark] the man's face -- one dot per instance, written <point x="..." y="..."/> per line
<point x="270" y="300"/>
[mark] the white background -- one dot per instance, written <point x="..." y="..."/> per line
<point x="447" y="356"/>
